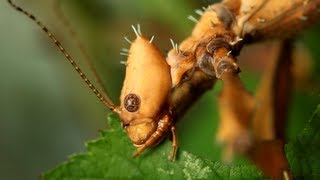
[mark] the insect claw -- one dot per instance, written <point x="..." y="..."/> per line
<point x="127" y="39"/>
<point x="193" y="19"/>
<point x="174" y="143"/>
<point x="151" y="39"/>
<point x="135" y="154"/>
<point x="139" y="150"/>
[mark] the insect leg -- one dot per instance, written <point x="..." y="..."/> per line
<point x="273" y="94"/>
<point x="236" y="107"/>
<point x="270" y="118"/>
<point x="174" y="143"/>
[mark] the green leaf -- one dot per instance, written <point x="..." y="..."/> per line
<point x="303" y="153"/>
<point x="110" y="157"/>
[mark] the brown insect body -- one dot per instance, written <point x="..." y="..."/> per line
<point x="215" y="42"/>
<point x="265" y="19"/>
<point x="209" y="54"/>
<point x="198" y="50"/>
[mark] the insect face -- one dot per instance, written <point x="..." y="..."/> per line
<point x="147" y="82"/>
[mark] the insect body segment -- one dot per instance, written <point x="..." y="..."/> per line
<point x="264" y="19"/>
<point x="207" y="55"/>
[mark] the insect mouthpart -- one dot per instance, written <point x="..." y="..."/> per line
<point x="139" y="130"/>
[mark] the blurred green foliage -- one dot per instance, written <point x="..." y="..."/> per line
<point x="304" y="162"/>
<point x="47" y="112"/>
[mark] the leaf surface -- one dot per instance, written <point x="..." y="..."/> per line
<point x="110" y="157"/>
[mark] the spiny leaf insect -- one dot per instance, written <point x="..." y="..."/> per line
<point x="149" y="108"/>
<point x="143" y="110"/>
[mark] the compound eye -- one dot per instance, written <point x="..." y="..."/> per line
<point x="132" y="102"/>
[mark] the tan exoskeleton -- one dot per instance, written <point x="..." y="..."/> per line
<point x="144" y="110"/>
<point x="209" y="53"/>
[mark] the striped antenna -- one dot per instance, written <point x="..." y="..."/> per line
<point x="59" y="13"/>
<point x="108" y="104"/>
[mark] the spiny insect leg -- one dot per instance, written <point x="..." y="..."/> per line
<point x="236" y="107"/>
<point x="235" y="117"/>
